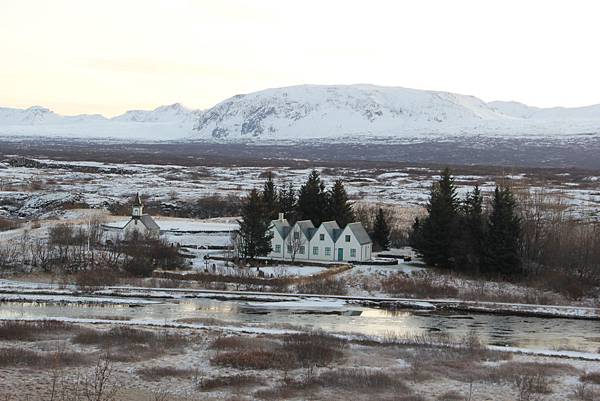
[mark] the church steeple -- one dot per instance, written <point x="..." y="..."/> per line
<point x="137" y="207"/>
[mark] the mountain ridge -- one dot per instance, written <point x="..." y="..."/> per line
<point x="315" y="111"/>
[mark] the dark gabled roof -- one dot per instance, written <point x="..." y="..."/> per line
<point x="360" y="233"/>
<point x="336" y="234"/>
<point x="332" y="228"/>
<point x="149" y="222"/>
<point x="307" y="227"/>
<point x="282" y="227"/>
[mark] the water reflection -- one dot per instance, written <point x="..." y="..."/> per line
<point x="536" y="333"/>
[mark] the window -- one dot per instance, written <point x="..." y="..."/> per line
<point x="315" y="250"/>
<point x="301" y="251"/>
<point x="352" y="252"/>
<point x="347" y="238"/>
<point x="289" y="249"/>
<point x="321" y="237"/>
<point x="327" y="251"/>
<point x="296" y="235"/>
<point x="277" y="248"/>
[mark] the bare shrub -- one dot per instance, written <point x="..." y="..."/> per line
<point x="157" y="373"/>
<point x="241" y="342"/>
<point x="288" y="389"/>
<point x="90" y="280"/>
<point x="585" y="392"/>
<point x="29" y="331"/>
<point x="591" y="377"/>
<point x="22" y="357"/>
<point x="239" y="380"/>
<point x="255" y="359"/>
<point x="529" y="385"/>
<point x="315" y="348"/>
<point x="362" y="379"/>
<point x="100" y="385"/>
<point x="452" y="395"/>
<point x="418" y="284"/>
<point x="131" y="344"/>
<point x="329" y="286"/>
<point x="9" y="224"/>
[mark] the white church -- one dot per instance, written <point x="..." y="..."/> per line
<point x="140" y="222"/>
<point x="328" y="242"/>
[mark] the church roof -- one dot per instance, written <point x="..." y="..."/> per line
<point x="149" y="222"/>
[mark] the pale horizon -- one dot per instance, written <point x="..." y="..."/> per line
<point x="110" y="57"/>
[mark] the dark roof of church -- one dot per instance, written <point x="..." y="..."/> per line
<point x="149" y="222"/>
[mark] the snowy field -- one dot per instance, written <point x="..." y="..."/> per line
<point x="44" y="191"/>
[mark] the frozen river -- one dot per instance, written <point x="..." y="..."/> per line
<point x="526" y="332"/>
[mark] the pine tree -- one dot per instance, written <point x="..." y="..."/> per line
<point x="312" y="200"/>
<point x="438" y="229"/>
<point x="502" y="242"/>
<point x="269" y="197"/>
<point x="469" y="242"/>
<point x="339" y="206"/>
<point x="287" y="202"/>
<point x="254" y="234"/>
<point x="381" y="231"/>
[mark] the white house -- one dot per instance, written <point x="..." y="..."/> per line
<point x="141" y="223"/>
<point x="279" y="229"/>
<point x="353" y="244"/>
<point x="298" y="239"/>
<point x="304" y="242"/>
<point x="322" y="245"/>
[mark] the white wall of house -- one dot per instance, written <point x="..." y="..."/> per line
<point x="322" y="247"/>
<point x="297" y="244"/>
<point x="277" y="245"/>
<point x="349" y="247"/>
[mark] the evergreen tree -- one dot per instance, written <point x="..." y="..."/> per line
<point x="340" y="208"/>
<point x="269" y="197"/>
<point x="381" y="231"/>
<point x="438" y="229"/>
<point x="254" y="234"/>
<point x="287" y="202"/>
<point x="502" y="242"/>
<point x="469" y="242"/>
<point x="312" y="200"/>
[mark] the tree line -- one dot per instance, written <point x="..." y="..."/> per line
<point x="312" y="201"/>
<point x="468" y="235"/>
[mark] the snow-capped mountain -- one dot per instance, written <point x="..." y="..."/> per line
<point x="171" y="113"/>
<point x="315" y="111"/>
<point x="163" y="123"/>
<point x="333" y="111"/>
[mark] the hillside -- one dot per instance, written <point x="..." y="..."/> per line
<point x="315" y="111"/>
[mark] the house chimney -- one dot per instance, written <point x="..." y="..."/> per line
<point x="281" y="217"/>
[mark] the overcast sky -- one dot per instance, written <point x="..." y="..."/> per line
<point x="108" y="56"/>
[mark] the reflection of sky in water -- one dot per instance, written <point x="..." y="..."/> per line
<point x="502" y="330"/>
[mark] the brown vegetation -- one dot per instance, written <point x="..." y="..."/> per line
<point x="30" y="331"/>
<point x="130" y="344"/>
<point x="419" y="284"/>
<point x="157" y="373"/>
<point x="22" y="357"/>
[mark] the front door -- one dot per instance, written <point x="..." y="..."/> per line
<point x="340" y="254"/>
